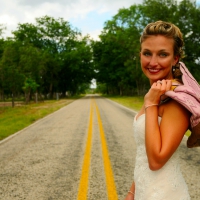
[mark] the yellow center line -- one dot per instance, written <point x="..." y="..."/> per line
<point x="83" y="187"/>
<point x="110" y="183"/>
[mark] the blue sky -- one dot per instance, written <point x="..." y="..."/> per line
<point x="86" y="15"/>
<point x="92" y="21"/>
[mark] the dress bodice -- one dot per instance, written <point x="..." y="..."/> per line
<point x="166" y="183"/>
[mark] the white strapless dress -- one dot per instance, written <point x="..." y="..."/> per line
<point x="166" y="183"/>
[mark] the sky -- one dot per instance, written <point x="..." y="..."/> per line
<point x="86" y="15"/>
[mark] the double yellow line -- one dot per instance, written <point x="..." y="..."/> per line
<point x="110" y="183"/>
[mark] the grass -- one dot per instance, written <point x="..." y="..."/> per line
<point x="17" y="118"/>
<point x="134" y="103"/>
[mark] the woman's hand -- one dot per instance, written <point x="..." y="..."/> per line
<point x="130" y="195"/>
<point x="157" y="89"/>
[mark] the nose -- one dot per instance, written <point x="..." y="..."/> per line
<point x="153" y="60"/>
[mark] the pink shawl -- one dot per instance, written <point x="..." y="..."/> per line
<point x="188" y="95"/>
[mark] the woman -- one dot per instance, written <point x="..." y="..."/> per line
<point x="160" y="125"/>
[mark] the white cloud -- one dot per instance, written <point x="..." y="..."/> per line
<point x="94" y="34"/>
<point x="13" y="12"/>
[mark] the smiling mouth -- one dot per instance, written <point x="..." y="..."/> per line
<point x="153" y="70"/>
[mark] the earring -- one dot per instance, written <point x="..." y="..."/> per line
<point x="173" y="68"/>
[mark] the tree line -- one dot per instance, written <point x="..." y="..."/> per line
<point x="47" y="57"/>
<point x="50" y="56"/>
<point x="116" y="55"/>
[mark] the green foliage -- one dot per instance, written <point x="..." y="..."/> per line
<point x="29" y="85"/>
<point x="134" y="102"/>
<point x="101" y="88"/>
<point x="50" y="53"/>
<point x="189" y="18"/>
<point x="57" y="58"/>
<point x="11" y="73"/>
<point x="116" y="55"/>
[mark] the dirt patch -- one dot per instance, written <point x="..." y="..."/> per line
<point x="9" y="104"/>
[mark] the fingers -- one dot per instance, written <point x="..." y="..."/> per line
<point x="164" y="85"/>
<point x="157" y="89"/>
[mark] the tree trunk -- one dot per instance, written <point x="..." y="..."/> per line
<point x="27" y="95"/>
<point x="51" y="91"/>
<point x="121" y="91"/>
<point x="36" y="97"/>
<point x="13" y="102"/>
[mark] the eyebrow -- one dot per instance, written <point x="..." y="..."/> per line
<point x="162" y="50"/>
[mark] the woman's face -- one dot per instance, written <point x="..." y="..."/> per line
<point x="157" y="57"/>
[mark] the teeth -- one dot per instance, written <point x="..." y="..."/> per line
<point x="154" y="70"/>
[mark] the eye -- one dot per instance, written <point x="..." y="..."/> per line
<point x="146" y="53"/>
<point x="163" y="55"/>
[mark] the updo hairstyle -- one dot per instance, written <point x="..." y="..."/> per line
<point x="168" y="30"/>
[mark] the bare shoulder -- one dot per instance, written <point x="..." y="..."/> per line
<point x="175" y="119"/>
<point x="173" y="109"/>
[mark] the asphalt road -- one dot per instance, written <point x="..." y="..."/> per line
<point x="85" y="150"/>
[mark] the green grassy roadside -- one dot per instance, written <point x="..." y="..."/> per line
<point x="19" y="117"/>
<point x="134" y="103"/>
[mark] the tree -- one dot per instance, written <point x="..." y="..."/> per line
<point x="32" y="67"/>
<point x="188" y="21"/>
<point x="29" y="85"/>
<point x="64" y="57"/>
<point x="116" y="55"/>
<point x="77" y="70"/>
<point x="12" y="76"/>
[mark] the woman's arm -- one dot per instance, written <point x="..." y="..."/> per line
<point x="131" y="193"/>
<point x="162" y="140"/>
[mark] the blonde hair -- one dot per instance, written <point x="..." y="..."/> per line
<point x="168" y="30"/>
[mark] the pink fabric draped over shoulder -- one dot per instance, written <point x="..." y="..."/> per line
<point x="188" y="95"/>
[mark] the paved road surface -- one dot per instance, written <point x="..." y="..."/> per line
<point x="85" y="150"/>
